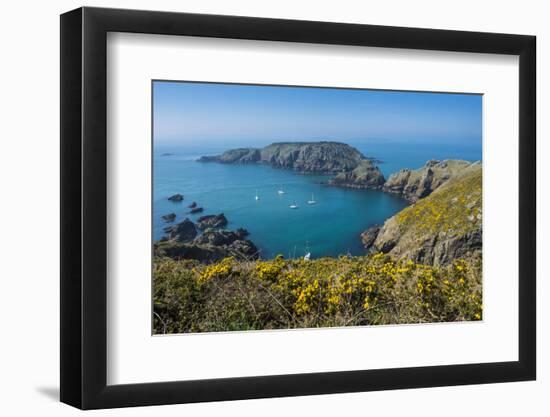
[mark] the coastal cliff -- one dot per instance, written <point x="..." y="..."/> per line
<point x="365" y="175"/>
<point x="415" y="184"/>
<point x="437" y="229"/>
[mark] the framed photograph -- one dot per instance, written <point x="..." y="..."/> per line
<point x="258" y="208"/>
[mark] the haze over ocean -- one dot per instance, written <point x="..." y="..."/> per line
<point x="402" y="129"/>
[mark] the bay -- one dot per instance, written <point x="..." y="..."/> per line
<point x="330" y="227"/>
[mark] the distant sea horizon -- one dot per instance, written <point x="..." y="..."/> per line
<point x="331" y="227"/>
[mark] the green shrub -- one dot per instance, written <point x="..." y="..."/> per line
<point x="295" y="293"/>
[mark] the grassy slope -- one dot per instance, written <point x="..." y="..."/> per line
<point x="453" y="209"/>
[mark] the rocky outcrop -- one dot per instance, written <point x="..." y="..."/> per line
<point x="241" y="233"/>
<point x="178" y="250"/>
<point x="176" y="198"/>
<point x="182" y="232"/>
<point x="219" y="237"/>
<point x="212" y="221"/>
<point x="369" y="236"/>
<point x="307" y="157"/>
<point x="169" y="218"/>
<point x="416" y="184"/>
<point x="243" y="249"/>
<point x="365" y="175"/>
<point x="239" y="249"/>
<point x="211" y="246"/>
<point x="196" y="210"/>
<point x="445" y="225"/>
<point x="192" y="205"/>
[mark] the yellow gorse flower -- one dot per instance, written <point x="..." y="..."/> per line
<point x="220" y="270"/>
<point x="365" y="289"/>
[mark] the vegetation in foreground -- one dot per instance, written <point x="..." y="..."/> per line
<point x="296" y="293"/>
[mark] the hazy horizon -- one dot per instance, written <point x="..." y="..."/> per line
<point x="256" y="115"/>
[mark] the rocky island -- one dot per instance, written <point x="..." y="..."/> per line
<point x="312" y="157"/>
<point x="350" y="167"/>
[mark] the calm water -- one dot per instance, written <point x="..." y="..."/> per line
<point x="328" y="228"/>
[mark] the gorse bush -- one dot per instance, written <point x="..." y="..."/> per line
<point x="326" y="292"/>
<point x="455" y="208"/>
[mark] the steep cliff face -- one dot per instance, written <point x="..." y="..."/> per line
<point x="420" y="183"/>
<point x="365" y="175"/>
<point x="439" y="228"/>
<point x="313" y="157"/>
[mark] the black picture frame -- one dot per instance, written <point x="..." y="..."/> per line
<point x="84" y="207"/>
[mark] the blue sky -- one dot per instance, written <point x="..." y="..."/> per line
<point x="187" y="112"/>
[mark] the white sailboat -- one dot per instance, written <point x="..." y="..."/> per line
<point x="281" y="191"/>
<point x="312" y="201"/>
<point x="307" y="256"/>
<point x="257" y="197"/>
<point x="294" y="205"/>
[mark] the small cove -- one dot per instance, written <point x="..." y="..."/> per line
<point x="331" y="227"/>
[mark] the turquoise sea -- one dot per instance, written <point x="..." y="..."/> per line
<point x="330" y="227"/>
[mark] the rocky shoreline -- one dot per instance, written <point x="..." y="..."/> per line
<point x="205" y="241"/>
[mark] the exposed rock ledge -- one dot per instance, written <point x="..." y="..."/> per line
<point x="420" y="183"/>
